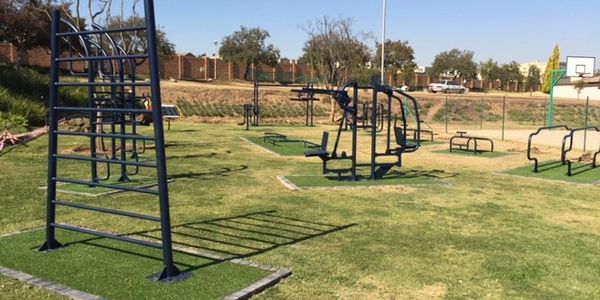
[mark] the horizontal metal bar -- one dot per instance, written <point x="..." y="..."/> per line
<point x="106" y="210"/>
<point x="104" y="185"/>
<point x="111" y="110"/>
<point x="88" y="84"/>
<point x="104" y="160"/>
<point x="107" y="235"/>
<point x="106" y="135"/>
<point x="110" y="57"/>
<point x="100" y="31"/>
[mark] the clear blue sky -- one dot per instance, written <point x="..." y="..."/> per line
<point x="521" y="30"/>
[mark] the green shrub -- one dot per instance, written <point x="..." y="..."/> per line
<point x="12" y="122"/>
<point x="33" y="112"/>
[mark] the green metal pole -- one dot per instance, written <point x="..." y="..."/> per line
<point x="446" y="114"/>
<point x="503" y="115"/>
<point x="555" y="76"/>
<point x="587" y="107"/>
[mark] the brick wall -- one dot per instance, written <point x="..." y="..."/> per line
<point x="203" y="68"/>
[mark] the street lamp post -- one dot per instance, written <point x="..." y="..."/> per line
<point x="383" y="43"/>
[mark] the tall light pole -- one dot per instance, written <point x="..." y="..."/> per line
<point x="383" y="43"/>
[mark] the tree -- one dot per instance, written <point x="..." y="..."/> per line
<point x="138" y="43"/>
<point x="24" y="24"/>
<point x="248" y="46"/>
<point x="553" y="64"/>
<point x="454" y="63"/>
<point x="489" y="70"/>
<point x="533" y="79"/>
<point x="334" y="52"/>
<point x="579" y="86"/>
<point x="399" y="56"/>
<point x="510" y="73"/>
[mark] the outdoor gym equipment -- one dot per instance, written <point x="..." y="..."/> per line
<point x="367" y="114"/>
<point x="349" y="107"/>
<point x="535" y="160"/>
<point x="275" y="138"/>
<point x="112" y="99"/>
<point x="309" y="99"/>
<point x="414" y="132"/>
<point x="252" y="111"/>
<point x="462" y="141"/>
<point x="565" y="149"/>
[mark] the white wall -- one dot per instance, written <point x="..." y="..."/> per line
<point x="567" y="91"/>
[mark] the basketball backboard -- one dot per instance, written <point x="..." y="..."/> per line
<point x="580" y="66"/>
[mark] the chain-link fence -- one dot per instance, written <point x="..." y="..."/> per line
<point x="459" y="112"/>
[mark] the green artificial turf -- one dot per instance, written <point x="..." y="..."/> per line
<point x="485" y="154"/>
<point x="282" y="148"/>
<point x="117" y="270"/>
<point x="554" y="170"/>
<point x="412" y="177"/>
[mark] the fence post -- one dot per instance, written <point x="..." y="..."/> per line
<point x="293" y="71"/>
<point x="587" y="107"/>
<point x="503" y="115"/>
<point x="274" y="74"/>
<point x="446" y="114"/>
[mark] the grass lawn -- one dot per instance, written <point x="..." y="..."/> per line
<point x="281" y="148"/>
<point x="84" y="190"/>
<point x="402" y="178"/>
<point x="486" y="154"/>
<point x="554" y="170"/>
<point x="480" y="236"/>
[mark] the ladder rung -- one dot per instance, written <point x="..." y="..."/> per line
<point x="104" y="185"/>
<point x="104" y="160"/>
<point x="107" y="235"/>
<point x="100" y="31"/>
<point x="106" y="210"/>
<point x="113" y="110"/>
<point x="106" y="135"/>
<point x="88" y="84"/>
<point x="112" y="57"/>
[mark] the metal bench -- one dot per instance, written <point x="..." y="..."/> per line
<point x="462" y="141"/>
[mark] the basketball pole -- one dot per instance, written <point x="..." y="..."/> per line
<point x="555" y="76"/>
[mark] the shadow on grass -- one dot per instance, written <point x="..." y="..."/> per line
<point x="236" y="237"/>
<point x="199" y="155"/>
<point x="222" y="172"/>
<point x="396" y="175"/>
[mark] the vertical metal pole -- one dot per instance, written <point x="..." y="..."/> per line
<point x="93" y="119"/>
<point x="555" y="76"/>
<point x="51" y="242"/>
<point x="587" y="107"/>
<point x="446" y="114"/>
<point x="354" y="128"/>
<point x="165" y="218"/>
<point x="123" y="123"/>
<point x="383" y="43"/>
<point x="545" y="111"/>
<point x="374" y="132"/>
<point x="503" y="115"/>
